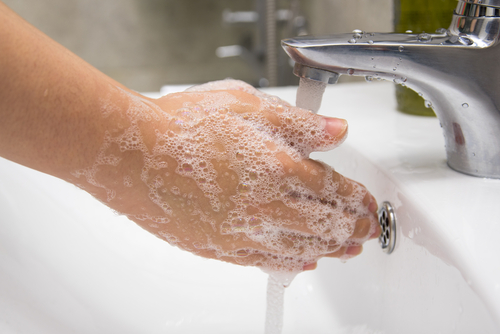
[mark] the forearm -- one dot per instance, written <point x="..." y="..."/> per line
<point x="50" y="110"/>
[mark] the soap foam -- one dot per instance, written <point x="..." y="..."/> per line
<point x="203" y="137"/>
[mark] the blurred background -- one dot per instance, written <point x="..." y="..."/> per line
<point x="146" y="44"/>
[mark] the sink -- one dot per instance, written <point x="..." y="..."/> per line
<point x="68" y="264"/>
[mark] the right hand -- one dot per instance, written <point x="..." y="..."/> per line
<point x="225" y="174"/>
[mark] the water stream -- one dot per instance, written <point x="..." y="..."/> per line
<point x="276" y="284"/>
<point x="310" y="94"/>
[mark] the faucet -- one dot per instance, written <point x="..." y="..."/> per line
<point x="456" y="71"/>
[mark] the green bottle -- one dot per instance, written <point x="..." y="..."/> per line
<point x="419" y="16"/>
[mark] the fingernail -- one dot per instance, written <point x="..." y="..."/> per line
<point x="335" y="126"/>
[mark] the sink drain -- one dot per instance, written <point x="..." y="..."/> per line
<point x="387" y="220"/>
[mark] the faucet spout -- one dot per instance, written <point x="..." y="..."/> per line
<point x="456" y="71"/>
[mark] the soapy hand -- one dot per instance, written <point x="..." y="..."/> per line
<point x="222" y="171"/>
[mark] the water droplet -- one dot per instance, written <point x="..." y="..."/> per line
<point x="473" y="154"/>
<point x="242" y="253"/>
<point x="370" y="42"/>
<point x="352" y="40"/>
<point x="357" y="31"/>
<point x="401" y="48"/>
<point x="197" y="108"/>
<point x="244" y="188"/>
<point x="373" y="58"/>
<point x="395" y="68"/>
<point x="371" y="34"/>
<point x="176" y="125"/>
<point x="285" y="189"/>
<point x="428" y="104"/>
<point x="465" y="40"/>
<point x="400" y="81"/>
<point x="274" y="100"/>
<point x="374" y="66"/>
<point x="420" y="94"/>
<point x="225" y="228"/>
<point x="369" y="78"/>
<point x="238" y="224"/>
<point x="350" y="71"/>
<point x="357" y="36"/>
<point x="441" y="31"/>
<point x="465" y="105"/>
<point x="409" y="31"/>
<point x="424" y="37"/>
<point x="187" y="168"/>
<point x="254" y="222"/>
<point x="240" y="156"/>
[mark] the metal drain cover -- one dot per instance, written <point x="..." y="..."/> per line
<point x="387" y="220"/>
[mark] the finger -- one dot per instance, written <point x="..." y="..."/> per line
<point x="310" y="266"/>
<point x="304" y="131"/>
<point x="354" y="250"/>
<point x="351" y="251"/>
<point x="299" y="128"/>
<point x="338" y="253"/>
<point x="224" y="85"/>
<point x="362" y="228"/>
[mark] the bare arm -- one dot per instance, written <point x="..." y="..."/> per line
<point x="222" y="171"/>
<point x="49" y="110"/>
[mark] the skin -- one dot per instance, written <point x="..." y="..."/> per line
<point x="53" y="119"/>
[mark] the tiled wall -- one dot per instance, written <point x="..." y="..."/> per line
<point x="145" y="44"/>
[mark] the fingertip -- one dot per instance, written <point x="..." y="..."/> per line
<point x="373" y="206"/>
<point x="376" y="234"/>
<point x="310" y="266"/>
<point x="335" y="127"/>
<point x="354" y="250"/>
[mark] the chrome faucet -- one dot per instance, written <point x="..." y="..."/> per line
<point x="456" y="71"/>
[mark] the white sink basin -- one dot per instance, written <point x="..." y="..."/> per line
<point x="70" y="265"/>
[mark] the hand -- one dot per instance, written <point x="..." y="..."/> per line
<point x="222" y="171"/>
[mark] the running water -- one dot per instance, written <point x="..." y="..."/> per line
<point x="310" y="94"/>
<point x="276" y="284"/>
